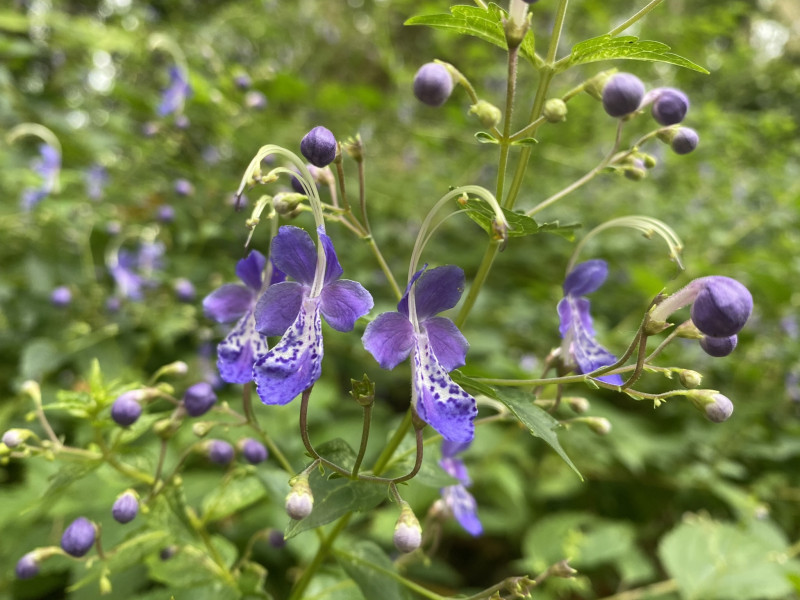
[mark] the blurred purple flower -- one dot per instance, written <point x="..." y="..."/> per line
<point x="576" y="328"/>
<point x="61" y="296"/>
<point x="233" y="302"/>
<point x="133" y="270"/>
<point x="96" y="180"/>
<point x="184" y="187"/>
<point x="178" y="90"/>
<point x="289" y="309"/>
<point x="48" y="165"/>
<point x="438" y="345"/>
<point x="456" y="498"/>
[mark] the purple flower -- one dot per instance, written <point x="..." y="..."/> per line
<point x="233" y="302"/>
<point x="670" y="106"/>
<point x="255" y="99"/>
<point x="96" y="180"/>
<point x="319" y="146"/>
<point x="79" y="537"/>
<point x="722" y="306"/>
<point x="184" y="187"/>
<point x="292" y="309"/>
<point x="718" y="346"/>
<point x="125" y="508"/>
<point x="27" y="566"/>
<point x="253" y="451"/>
<point x="438" y="348"/>
<point x="458" y="500"/>
<point x="199" y="398"/>
<point x="175" y="95"/>
<point x="61" y="296"/>
<point x="576" y="322"/>
<point x="184" y="289"/>
<point x="127" y="408"/>
<point x="48" y="166"/>
<point x="622" y="94"/>
<point x="220" y="452"/>
<point x="684" y="141"/>
<point x="132" y="271"/>
<point x="433" y="84"/>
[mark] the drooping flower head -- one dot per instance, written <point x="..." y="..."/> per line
<point x="292" y="310"/>
<point x="176" y="93"/>
<point x="456" y="498"/>
<point x="438" y="348"/>
<point x="233" y="302"/>
<point x="580" y="345"/>
<point x="48" y="166"/>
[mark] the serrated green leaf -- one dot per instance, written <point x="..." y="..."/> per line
<point x="539" y="422"/>
<point x="519" y="224"/>
<point x="627" y="47"/>
<point x="485" y="138"/>
<point x="483" y="23"/>
<point x="238" y="492"/>
<point x="722" y="561"/>
<point x="371" y="569"/>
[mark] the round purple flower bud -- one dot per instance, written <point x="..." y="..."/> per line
<point x="254" y="451"/>
<point x="184" y="187"/>
<point x="276" y="539"/>
<point x="433" y="84"/>
<point x="27" y="566"/>
<point x="61" y="296"/>
<point x="319" y="147"/>
<point x="220" y="452"/>
<point x="720" y="409"/>
<point x="622" y="94"/>
<point x="242" y="81"/>
<point x="722" y="307"/>
<point x="165" y="213"/>
<point x="684" y="141"/>
<point x="670" y="106"/>
<point x="126" y="408"/>
<point x="255" y="99"/>
<point x="78" y="538"/>
<point x="125" y="508"/>
<point x="718" y="346"/>
<point x="199" y="398"/>
<point x="184" y="289"/>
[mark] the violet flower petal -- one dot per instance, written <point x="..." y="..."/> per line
<point x="295" y="363"/>
<point x="389" y="338"/>
<point x="464" y="508"/>
<point x="436" y="290"/>
<point x="586" y="277"/>
<point x="294" y="253"/>
<point x="251" y="270"/>
<point x="450" y="449"/>
<point x="440" y="402"/>
<point x="237" y="353"/>
<point x="343" y="302"/>
<point x="228" y="303"/>
<point x="278" y="306"/>
<point x="455" y="468"/>
<point x="588" y="354"/>
<point x="448" y="343"/>
<point x="333" y="270"/>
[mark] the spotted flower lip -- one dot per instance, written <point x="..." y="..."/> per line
<point x="456" y="497"/>
<point x="576" y="321"/>
<point x="290" y="310"/>
<point x="234" y="302"/>
<point x="438" y="347"/>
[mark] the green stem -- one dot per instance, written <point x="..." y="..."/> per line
<point x="511" y="85"/>
<point x="384" y="267"/>
<point x="418" y="462"/>
<point x="637" y="17"/>
<point x="394" y="443"/>
<point x="414" y="587"/>
<point x="322" y="552"/>
<point x="477" y="283"/>
<point x="364" y="439"/>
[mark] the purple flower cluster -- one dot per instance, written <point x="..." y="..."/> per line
<point x="133" y="270"/>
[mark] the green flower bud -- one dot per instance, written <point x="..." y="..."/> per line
<point x="690" y="379"/>
<point x="555" y="110"/>
<point x="286" y="203"/>
<point x="201" y="428"/>
<point x="300" y="501"/>
<point x="488" y="114"/>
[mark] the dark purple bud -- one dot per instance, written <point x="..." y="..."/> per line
<point x="184" y="187"/>
<point x="255" y="99"/>
<point x="184" y="290"/>
<point x="433" y="84"/>
<point x="61" y="296"/>
<point x="220" y="452"/>
<point x="722" y="306"/>
<point x="126" y="408"/>
<point x="199" y="399"/>
<point x="685" y="140"/>
<point x="27" y="566"/>
<point x="319" y="147"/>
<point x="165" y="213"/>
<point x="79" y="537"/>
<point x="242" y="81"/>
<point x="586" y="277"/>
<point x="125" y="508"/>
<point x="276" y="539"/>
<point x="718" y="346"/>
<point x="254" y="451"/>
<point x="622" y="94"/>
<point x="670" y="106"/>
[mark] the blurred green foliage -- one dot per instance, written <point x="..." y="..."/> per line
<point x="669" y="499"/>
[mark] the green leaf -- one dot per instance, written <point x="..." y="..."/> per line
<point x="67" y="475"/>
<point x="721" y="561"/>
<point x="372" y="571"/>
<point x="627" y="47"/>
<point x="539" y="422"/>
<point x="483" y="23"/>
<point x="472" y="386"/>
<point x="238" y="492"/>
<point x="39" y="357"/>
<point x="338" y="451"/>
<point x="519" y="224"/>
<point x="485" y="138"/>
<point x="525" y="142"/>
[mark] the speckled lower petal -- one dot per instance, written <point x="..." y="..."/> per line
<point x="440" y="402"/>
<point x="295" y="363"/>
<point x="587" y="353"/>
<point x="237" y="353"/>
<point x="464" y="508"/>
